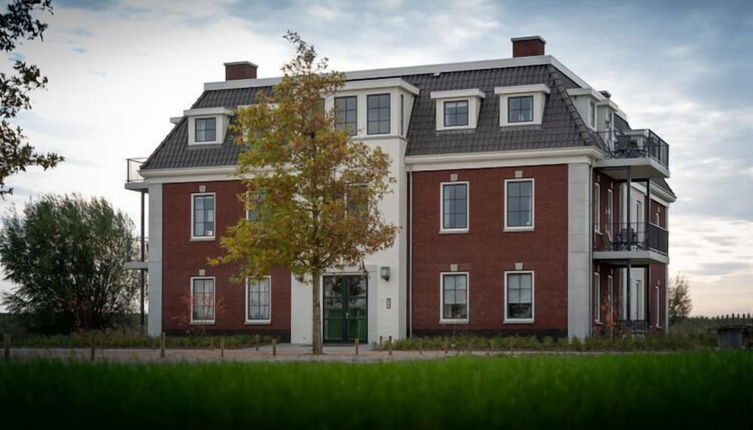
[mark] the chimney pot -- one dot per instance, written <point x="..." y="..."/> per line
<point x="527" y="46"/>
<point x="240" y="70"/>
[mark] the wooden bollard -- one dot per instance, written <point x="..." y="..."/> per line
<point x="491" y="347"/>
<point x="222" y="347"/>
<point x="257" y="341"/>
<point x="380" y="341"/>
<point x="420" y="347"/>
<point x="162" y="345"/>
<point x="389" y="344"/>
<point x="92" y="350"/>
<point x="6" y="346"/>
<point x="211" y="342"/>
<point x="274" y="347"/>
<point x="356" y="344"/>
<point x="446" y="347"/>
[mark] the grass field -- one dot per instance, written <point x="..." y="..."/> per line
<point x="680" y="390"/>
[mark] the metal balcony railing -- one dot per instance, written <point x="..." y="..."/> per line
<point x="132" y="170"/>
<point x="636" y="144"/>
<point x="636" y="236"/>
<point x="134" y="250"/>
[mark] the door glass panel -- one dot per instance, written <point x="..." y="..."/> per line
<point x="345" y="308"/>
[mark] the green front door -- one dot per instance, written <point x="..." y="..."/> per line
<point x="345" y="308"/>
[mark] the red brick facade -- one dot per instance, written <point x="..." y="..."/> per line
<point x="182" y="259"/>
<point x="486" y="251"/>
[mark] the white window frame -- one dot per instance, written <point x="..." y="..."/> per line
<point x="442" y="319"/>
<point x="214" y="231"/>
<point x="472" y="95"/>
<point x="597" y="207"/>
<point x="214" y="300"/>
<point x="610" y="297"/>
<point x="610" y="212"/>
<point x="596" y="302"/>
<point x="442" y="228"/>
<point x="221" y="116"/>
<point x="539" y="93"/>
<point x="658" y="301"/>
<point x="508" y="320"/>
<point x="592" y="114"/>
<point x="264" y="321"/>
<point x="533" y="205"/>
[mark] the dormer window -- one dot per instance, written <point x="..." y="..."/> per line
<point x="456" y="113"/>
<point x="520" y="109"/>
<point x="207" y="126"/>
<point x="206" y="129"/>
<point x="521" y="104"/>
<point x="457" y="109"/>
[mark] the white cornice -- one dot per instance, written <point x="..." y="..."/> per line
<point x="380" y="83"/>
<point x="503" y="158"/>
<point x="520" y="89"/>
<point x="415" y="70"/>
<point x="471" y="92"/>
<point x="207" y="111"/>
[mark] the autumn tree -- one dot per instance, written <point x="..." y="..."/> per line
<point x="16" y="24"/>
<point x="679" y="299"/>
<point x="311" y="189"/>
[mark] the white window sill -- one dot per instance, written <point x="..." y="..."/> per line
<point x="454" y="231"/>
<point x="598" y="232"/>
<point x="202" y="239"/>
<point x="465" y="321"/>
<point x="516" y="229"/>
<point x="518" y="321"/>
<point x="202" y="322"/>
<point x="456" y="127"/>
<point x="517" y="124"/>
<point x="258" y="322"/>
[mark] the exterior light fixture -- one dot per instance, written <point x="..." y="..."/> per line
<point x="385" y="273"/>
<point x="299" y="278"/>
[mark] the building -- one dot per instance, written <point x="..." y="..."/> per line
<point x="528" y="205"/>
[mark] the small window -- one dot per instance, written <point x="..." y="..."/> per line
<point x="258" y="299"/>
<point x="378" y="114"/>
<point x="658" y="304"/>
<point x="610" y="212"/>
<point x="520" y="109"/>
<point x="519" y="204"/>
<point x="346" y="114"/>
<point x="592" y="114"/>
<point x="597" y="208"/>
<point x="356" y="202"/>
<point x="519" y="297"/>
<point x="202" y="216"/>
<point x="455" y="297"/>
<point x="202" y="300"/>
<point x="597" y="297"/>
<point x="254" y="211"/>
<point x="456" y="113"/>
<point x="206" y="129"/>
<point x="402" y="114"/>
<point x="610" y="298"/>
<point x="455" y="206"/>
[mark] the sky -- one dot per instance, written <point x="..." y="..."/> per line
<point x="119" y="69"/>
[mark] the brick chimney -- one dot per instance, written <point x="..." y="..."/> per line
<point x="527" y="46"/>
<point x="240" y="70"/>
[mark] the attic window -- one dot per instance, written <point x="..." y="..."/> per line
<point x="457" y="109"/>
<point x="521" y="104"/>
<point x="206" y="129"/>
<point x="456" y="113"/>
<point x="520" y="109"/>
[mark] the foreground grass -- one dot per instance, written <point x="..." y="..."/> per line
<point x="693" y="390"/>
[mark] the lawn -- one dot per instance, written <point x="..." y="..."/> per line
<point x="678" y="390"/>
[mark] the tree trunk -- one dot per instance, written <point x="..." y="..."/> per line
<point x="316" y="338"/>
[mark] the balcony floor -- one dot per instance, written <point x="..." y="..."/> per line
<point x="642" y="168"/>
<point x="637" y="257"/>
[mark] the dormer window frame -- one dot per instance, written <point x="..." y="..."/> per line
<point x="538" y="94"/>
<point x="221" y="118"/>
<point x="471" y="96"/>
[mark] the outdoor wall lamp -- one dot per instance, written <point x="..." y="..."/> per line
<point x="385" y="273"/>
<point x="299" y="278"/>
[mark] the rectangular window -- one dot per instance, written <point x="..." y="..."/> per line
<point x="254" y="211"/>
<point x="520" y="109"/>
<point x="610" y="298"/>
<point x="402" y="114"/>
<point x="658" y="304"/>
<point x="592" y="114"/>
<point x="610" y="212"/>
<point x="202" y="216"/>
<point x="519" y="204"/>
<point x="206" y="129"/>
<point x="202" y="300"/>
<point x="597" y="297"/>
<point x="639" y="295"/>
<point x="455" y="297"/>
<point x="597" y="208"/>
<point x="346" y="114"/>
<point x="258" y="300"/>
<point x="456" y="113"/>
<point x="519" y="297"/>
<point x="378" y="114"/>
<point x="356" y="202"/>
<point x="455" y="206"/>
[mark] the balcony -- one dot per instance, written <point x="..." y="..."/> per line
<point x="133" y="258"/>
<point x="640" y="243"/>
<point x="643" y="150"/>
<point x="134" y="180"/>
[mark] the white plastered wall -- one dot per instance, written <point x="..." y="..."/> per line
<point x="579" y="250"/>
<point x="154" y="325"/>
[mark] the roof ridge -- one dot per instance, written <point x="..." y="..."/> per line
<point x="585" y="133"/>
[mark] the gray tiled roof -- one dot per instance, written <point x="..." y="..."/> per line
<point x="561" y="126"/>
